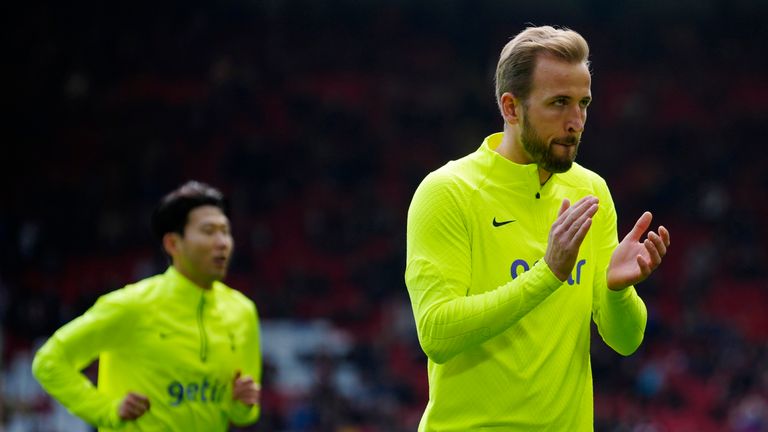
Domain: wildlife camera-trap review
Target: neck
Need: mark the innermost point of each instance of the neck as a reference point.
(198, 281)
(511, 148)
(544, 176)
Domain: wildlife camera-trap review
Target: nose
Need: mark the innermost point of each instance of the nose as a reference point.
(222, 240)
(576, 120)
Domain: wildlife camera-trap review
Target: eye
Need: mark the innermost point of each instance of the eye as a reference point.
(585, 102)
(560, 102)
(211, 229)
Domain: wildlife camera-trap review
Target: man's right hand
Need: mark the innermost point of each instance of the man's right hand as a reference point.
(133, 406)
(567, 234)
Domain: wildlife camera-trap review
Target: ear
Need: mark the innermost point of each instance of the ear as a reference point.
(510, 108)
(171, 243)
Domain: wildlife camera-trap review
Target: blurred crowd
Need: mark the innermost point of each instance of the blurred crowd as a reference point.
(319, 119)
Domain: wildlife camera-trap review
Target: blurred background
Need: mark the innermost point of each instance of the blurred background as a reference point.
(319, 119)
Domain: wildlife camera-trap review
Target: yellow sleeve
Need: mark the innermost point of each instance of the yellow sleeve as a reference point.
(620, 316)
(438, 277)
(239, 413)
(59, 362)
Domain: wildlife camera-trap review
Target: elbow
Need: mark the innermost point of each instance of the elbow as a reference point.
(433, 346)
(44, 363)
(39, 368)
(628, 347)
(435, 354)
(439, 336)
(625, 351)
(36, 368)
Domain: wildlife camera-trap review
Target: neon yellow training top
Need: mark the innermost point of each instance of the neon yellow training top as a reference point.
(507, 342)
(163, 337)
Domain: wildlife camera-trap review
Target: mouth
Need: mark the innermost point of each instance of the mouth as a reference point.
(564, 148)
(568, 141)
(220, 261)
(565, 143)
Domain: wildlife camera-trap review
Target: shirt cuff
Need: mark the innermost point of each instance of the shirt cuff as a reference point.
(243, 414)
(545, 276)
(620, 295)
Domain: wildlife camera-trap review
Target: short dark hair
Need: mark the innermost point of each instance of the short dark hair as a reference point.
(173, 210)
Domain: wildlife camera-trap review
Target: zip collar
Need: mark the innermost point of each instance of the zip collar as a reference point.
(186, 291)
(506, 172)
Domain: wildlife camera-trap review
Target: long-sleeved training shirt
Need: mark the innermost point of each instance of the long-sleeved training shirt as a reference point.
(163, 337)
(507, 342)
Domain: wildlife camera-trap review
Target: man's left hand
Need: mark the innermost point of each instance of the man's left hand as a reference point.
(245, 390)
(633, 261)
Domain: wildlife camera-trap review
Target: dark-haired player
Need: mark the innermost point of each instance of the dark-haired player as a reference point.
(178, 351)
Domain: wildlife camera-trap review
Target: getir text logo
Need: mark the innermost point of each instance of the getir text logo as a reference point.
(193, 392)
(518, 264)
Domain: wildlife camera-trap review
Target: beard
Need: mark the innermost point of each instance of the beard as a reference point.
(541, 151)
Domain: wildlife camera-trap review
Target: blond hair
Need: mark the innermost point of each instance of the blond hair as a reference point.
(514, 72)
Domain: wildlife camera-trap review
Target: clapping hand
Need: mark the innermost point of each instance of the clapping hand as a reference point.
(632, 260)
(567, 233)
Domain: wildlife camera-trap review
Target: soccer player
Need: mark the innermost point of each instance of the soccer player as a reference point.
(178, 351)
(511, 250)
